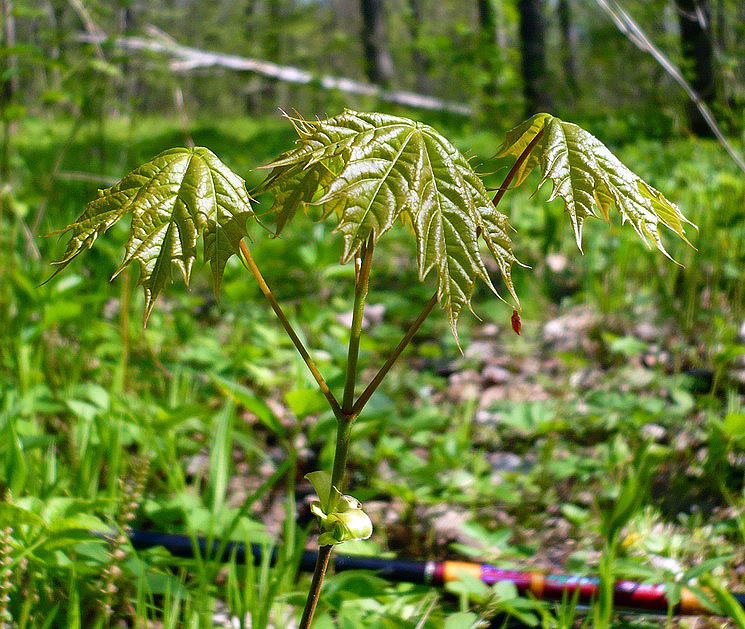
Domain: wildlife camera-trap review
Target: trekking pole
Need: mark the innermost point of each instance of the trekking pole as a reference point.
(630, 595)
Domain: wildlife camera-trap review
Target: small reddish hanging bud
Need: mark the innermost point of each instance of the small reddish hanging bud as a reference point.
(517, 323)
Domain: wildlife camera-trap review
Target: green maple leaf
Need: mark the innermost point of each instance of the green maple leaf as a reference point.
(588, 177)
(295, 185)
(372, 170)
(173, 199)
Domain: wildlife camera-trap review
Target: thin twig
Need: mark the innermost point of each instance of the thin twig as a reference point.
(72, 175)
(515, 167)
(290, 330)
(95, 34)
(49, 186)
(375, 383)
(178, 100)
(322, 562)
(629, 27)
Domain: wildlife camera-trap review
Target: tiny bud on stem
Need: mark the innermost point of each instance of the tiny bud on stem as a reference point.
(517, 324)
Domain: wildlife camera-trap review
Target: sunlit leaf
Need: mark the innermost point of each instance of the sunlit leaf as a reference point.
(588, 178)
(374, 170)
(15, 516)
(173, 199)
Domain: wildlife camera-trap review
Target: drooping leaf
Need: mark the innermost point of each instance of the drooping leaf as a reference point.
(374, 170)
(588, 177)
(321, 482)
(173, 199)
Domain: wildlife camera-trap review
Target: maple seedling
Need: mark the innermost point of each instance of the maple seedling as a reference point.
(366, 172)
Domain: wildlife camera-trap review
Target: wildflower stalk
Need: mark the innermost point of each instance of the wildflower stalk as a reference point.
(5, 576)
(132, 491)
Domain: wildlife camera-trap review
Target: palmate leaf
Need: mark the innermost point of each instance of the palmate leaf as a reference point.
(296, 186)
(586, 176)
(373, 170)
(173, 199)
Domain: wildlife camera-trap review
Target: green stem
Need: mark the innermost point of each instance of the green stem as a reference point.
(322, 562)
(358, 312)
(375, 383)
(290, 330)
(344, 430)
(604, 605)
(501, 191)
(343, 435)
(344, 421)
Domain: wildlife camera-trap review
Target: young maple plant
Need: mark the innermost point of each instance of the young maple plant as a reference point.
(366, 172)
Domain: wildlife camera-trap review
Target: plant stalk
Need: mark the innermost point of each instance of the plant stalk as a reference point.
(290, 330)
(343, 437)
(604, 610)
(375, 383)
(344, 421)
(358, 312)
(351, 409)
(322, 562)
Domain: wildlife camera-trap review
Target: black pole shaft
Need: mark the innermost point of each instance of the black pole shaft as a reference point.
(391, 569)
(183, 546)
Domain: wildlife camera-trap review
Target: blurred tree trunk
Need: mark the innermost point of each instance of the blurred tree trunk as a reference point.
(721, 26)
(489, 54)
(698, 51)
(422, 61)
(253, 86)
(533, 50)
(130, 86)
(272, 50)
(9, 86)
(56, 14)
(567, 44)
(10, 80)
(377, 57)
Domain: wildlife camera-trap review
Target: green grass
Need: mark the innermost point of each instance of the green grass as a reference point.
(212, 394)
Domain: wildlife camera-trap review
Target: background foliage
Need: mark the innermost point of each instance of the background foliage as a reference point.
(206, 421)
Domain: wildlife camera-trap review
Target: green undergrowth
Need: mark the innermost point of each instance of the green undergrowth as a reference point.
(528, 448)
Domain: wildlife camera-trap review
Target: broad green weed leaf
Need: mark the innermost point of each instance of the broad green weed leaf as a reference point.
(373, 170)
(734, 426)
(588, 177)
(14, 516)
(461, 620)
(173, 199)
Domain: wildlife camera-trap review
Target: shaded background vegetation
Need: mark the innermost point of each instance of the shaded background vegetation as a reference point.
(511, 452)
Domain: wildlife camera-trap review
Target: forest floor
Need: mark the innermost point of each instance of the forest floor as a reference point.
(511, 452)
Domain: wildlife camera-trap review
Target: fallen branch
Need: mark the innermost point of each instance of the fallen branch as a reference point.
(629, 27)
(186, 59)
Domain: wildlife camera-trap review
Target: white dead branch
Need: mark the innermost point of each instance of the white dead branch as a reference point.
(629, 27)
(185, 59)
